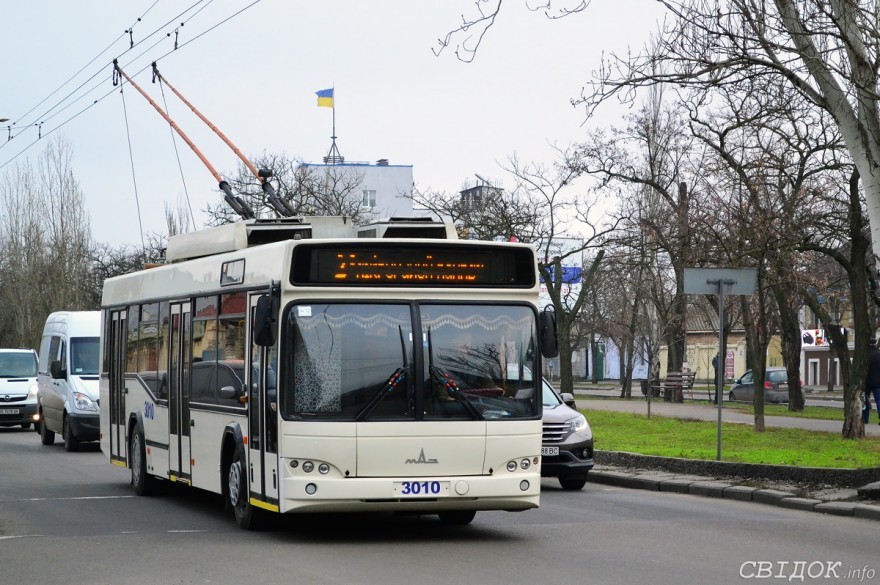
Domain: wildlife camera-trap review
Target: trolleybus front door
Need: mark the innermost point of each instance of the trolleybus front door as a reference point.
(179, 455)
(116, 344)
(262, 420)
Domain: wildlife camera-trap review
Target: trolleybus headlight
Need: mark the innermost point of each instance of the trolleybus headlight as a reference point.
(323, 469)
(525, 463)
(311, 488)
(294, 463)
(524, 485)
(511, 466)
(308, 466)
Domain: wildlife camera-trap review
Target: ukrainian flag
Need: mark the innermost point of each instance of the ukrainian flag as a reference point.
(325, 98)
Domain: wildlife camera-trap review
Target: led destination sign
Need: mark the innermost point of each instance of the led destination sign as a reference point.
(412, 265)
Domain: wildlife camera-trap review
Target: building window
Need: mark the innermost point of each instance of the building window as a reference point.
(369, 198)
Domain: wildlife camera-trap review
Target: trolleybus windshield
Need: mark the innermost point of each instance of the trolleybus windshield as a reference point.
(362, 362)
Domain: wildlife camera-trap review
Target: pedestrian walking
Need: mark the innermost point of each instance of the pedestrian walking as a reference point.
(872, 383)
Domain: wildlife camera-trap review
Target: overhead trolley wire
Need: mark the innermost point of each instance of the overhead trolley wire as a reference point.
(104, 96)
(133, 177)
(96, 57)
(192, 216)
(42, 118)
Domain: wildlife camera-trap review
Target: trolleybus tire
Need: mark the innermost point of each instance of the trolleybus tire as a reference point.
(143, 483)
(457, 517)
(47, 437)
(70, 442)
(246, 516)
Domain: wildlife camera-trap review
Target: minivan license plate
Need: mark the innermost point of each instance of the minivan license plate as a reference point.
(549, 451)
(8, 411)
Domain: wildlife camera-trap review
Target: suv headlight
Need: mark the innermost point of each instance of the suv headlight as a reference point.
(579, 424)
(83, 402)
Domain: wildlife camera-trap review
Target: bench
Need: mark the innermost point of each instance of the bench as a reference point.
(674, 385)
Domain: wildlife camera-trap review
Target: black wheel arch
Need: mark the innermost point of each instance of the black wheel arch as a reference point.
(232, 438)
(135, 420)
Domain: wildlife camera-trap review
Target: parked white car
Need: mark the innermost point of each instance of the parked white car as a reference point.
(18, 387)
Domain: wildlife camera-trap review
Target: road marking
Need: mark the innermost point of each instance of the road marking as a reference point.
(64, 499)
(19, 536)
(185, 531)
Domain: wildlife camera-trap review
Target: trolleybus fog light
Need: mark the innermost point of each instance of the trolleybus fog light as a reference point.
(323, 469)
(523, 485)
(294, 463)
(525, 463)
(511, 466)
(311, 488)
(308, 466)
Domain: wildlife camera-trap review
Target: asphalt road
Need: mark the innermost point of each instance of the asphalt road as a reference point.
(70, 518)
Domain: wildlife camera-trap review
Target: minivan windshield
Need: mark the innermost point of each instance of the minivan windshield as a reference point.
(18, 365)
(84, 356)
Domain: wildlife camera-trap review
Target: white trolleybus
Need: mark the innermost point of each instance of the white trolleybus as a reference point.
(309, 365)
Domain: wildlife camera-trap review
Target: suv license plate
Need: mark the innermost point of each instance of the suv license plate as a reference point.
(549, 451)
(8, 411)
(421, 489)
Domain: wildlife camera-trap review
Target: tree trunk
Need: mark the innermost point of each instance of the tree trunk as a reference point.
(791, 346)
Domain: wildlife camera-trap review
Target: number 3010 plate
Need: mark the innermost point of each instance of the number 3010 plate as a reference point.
(421, 489)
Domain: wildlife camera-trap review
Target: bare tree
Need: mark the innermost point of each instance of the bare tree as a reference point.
(307, 189)
(44, 230)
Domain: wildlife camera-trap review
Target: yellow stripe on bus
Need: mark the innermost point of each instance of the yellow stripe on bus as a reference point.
(264, 505)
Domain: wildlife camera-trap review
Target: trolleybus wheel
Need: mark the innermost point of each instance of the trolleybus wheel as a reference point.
(246, 516)
(143, 483)
(457, 517)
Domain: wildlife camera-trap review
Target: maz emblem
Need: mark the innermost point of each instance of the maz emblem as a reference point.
(421, 459)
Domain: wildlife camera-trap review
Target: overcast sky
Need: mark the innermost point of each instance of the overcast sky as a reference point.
(255, 77)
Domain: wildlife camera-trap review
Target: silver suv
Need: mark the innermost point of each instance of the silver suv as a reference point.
(567, 446)
(18, 387)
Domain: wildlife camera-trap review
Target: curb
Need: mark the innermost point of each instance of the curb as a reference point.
(701, 467)
(719, 489)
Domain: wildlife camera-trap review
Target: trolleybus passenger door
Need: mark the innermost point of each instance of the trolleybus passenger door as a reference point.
(116, 346)
(262, 418)
(179, 423)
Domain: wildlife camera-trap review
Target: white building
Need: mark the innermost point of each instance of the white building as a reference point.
(385, 189)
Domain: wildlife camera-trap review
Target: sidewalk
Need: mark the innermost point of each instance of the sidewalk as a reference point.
(825, 500)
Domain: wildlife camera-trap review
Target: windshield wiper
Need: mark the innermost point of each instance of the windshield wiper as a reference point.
(448, 384)
(398, 376)
(445, 381)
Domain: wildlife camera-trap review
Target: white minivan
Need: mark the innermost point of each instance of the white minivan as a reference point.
(67, 395)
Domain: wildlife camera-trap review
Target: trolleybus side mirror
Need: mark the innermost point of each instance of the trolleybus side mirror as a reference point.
(547, 331)
(266, 321)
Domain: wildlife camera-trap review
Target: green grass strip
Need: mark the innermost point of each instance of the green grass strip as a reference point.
(670, 437)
